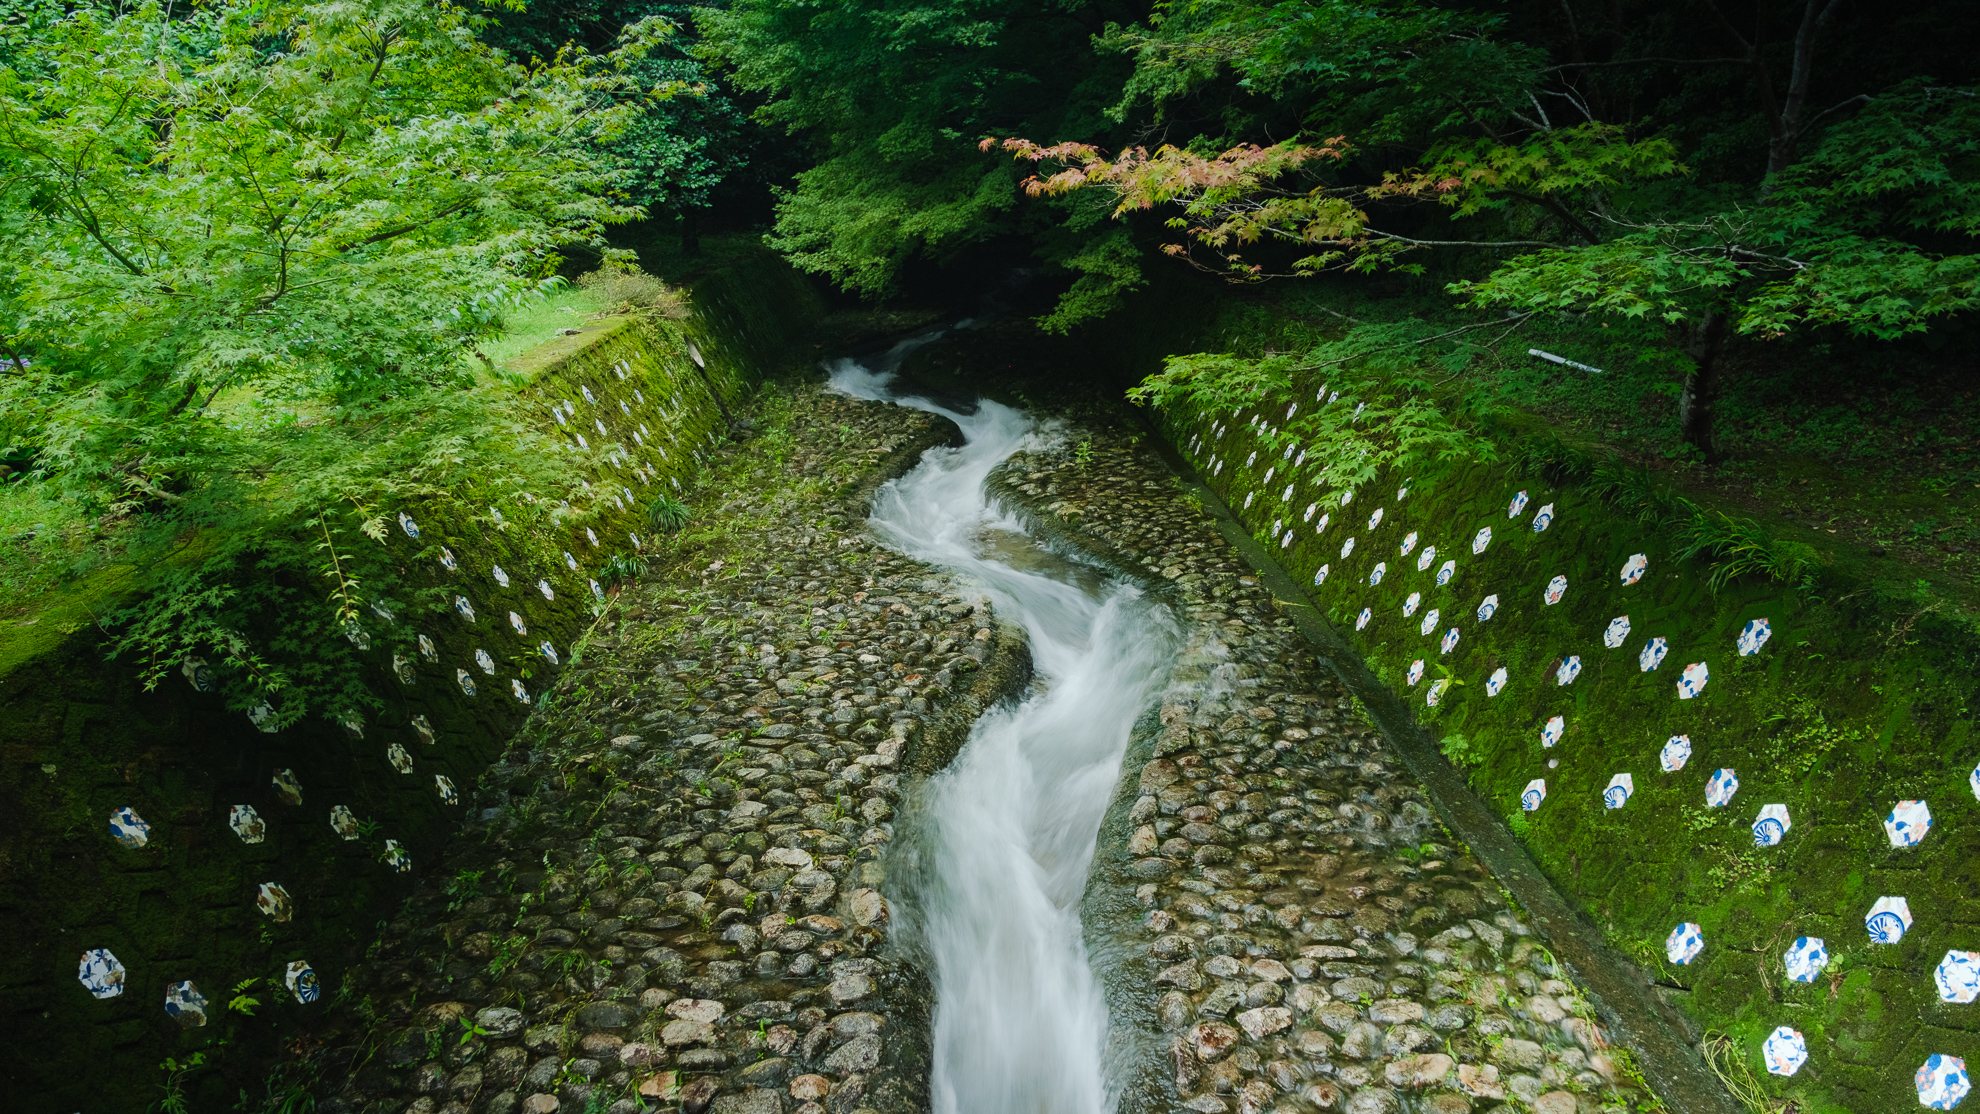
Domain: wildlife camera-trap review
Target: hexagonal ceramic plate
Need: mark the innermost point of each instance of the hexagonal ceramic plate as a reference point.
(1806, 959)
(1771, 826)
(1785, 1051)
(1908, 823)
(1676, 752)
(1942, 1082)
(1684, 943)
(1720, 789)
(1618, 792)
(128, 828)
(1888, 920)
(101, 974)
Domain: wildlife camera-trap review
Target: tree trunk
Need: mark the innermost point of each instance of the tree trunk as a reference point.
(1701, 387)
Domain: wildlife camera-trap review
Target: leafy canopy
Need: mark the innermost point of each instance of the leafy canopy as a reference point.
(245, 257)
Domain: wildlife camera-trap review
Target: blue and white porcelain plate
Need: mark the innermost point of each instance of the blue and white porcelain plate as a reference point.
(1942, 1082)
(1684, 943)
(1692, 681)
(1617, 632)
(1753, 636)
(1785, 1051)
(1806, 959)
(1720, 789)
(1888, 920)
(1676, 752)
(1908, 823)
(1619, 790)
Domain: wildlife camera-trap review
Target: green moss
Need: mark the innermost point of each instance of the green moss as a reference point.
(81, 738)
(1862, 697)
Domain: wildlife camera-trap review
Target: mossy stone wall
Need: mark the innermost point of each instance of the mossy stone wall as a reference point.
(1863, 696)
(79, 738)
(1852, 705)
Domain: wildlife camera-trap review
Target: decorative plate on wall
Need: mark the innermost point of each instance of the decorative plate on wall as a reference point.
(185, 1004)
(1617, 632)
(101, 974)
(1720, 789)
(344, 823)
(1784, 1051)
(247, 823)
(1692, 681)
(1806, 959)
(274, 902)
(303, 982)
(1652, 655)
(127, 828)
(1754, 636)
(1888, 920)
(1771, 826)
(1684, 943)
(1676, 752)
(1620, 788)
(1634, 568)
(1908, 823)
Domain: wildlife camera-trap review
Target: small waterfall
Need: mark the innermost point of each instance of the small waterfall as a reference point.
(1007, 832)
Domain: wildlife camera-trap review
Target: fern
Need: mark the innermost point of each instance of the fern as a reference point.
(668, 514)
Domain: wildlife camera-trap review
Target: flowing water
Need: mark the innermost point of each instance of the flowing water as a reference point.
(1007, 832)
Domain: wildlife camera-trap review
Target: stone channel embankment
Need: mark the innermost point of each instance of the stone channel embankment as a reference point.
(1283, 923)
(670, 898)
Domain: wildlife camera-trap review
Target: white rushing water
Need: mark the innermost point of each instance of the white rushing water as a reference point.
(1009, 829)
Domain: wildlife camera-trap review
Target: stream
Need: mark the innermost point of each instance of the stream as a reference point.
(1006, 834)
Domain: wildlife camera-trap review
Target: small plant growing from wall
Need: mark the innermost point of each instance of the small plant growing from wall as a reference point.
(621, 567)
(668, 514)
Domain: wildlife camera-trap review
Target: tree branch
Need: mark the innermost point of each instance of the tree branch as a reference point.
(1648, 62)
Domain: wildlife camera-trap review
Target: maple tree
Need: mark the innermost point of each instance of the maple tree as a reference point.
(1862, 234)
(248, 253)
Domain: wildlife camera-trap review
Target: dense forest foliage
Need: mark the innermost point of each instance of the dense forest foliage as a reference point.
(254, 249)
(1697, 175)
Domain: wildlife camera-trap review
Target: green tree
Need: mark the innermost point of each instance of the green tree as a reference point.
(245, 256)
(1872, 233)
(894, 94)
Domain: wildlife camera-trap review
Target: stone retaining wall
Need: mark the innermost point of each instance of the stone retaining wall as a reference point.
(81, 739)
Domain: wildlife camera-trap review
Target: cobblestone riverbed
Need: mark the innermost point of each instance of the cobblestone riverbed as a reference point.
(677, 895)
